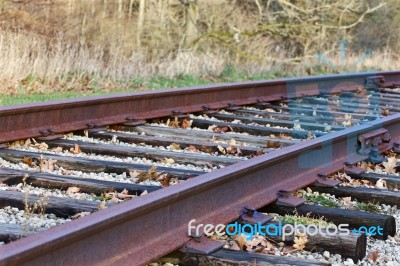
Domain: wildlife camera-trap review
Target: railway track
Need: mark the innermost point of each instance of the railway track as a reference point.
(122, 176)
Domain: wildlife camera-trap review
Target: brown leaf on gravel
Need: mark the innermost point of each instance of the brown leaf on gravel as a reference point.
(165, 182)
(41, 146)
(273, 144)
(346, 199)
(79, 215)
(72, 190)
(220, 129)
(206, 149)
(133, 174)
(233, 150)
(28, 161)
(221, 149)
(381, 184)
(76, 149)
(385, 111)
(47, 164)
(114, 199)
(174, 123)
(300, 241)
(235, 246)
(259, 249)
(191, 148)
(175, 147)
(390, 165)
(186, 123)
(102, 206)
(65, 171)
(284, 136)
(57, 149)
(150, 175)
(27, 142)
(168, 161)
(241, 242)
(373, 256)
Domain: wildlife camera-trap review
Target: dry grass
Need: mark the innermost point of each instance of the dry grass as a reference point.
(91, 46)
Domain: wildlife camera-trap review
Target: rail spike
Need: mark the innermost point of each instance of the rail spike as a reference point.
(370, 143)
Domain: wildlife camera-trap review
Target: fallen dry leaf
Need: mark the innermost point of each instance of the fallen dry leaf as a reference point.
(57, 149)
(65, 171)
(175, 147)
(165, 182)
(346, 199)
(220, 129)
(235, 246)
(114, 199)
(144, 193)
(232, 142)
(76, 149)
(300, 241)
(150, 175)
(241, 242)
(79, 215)
(27, 143)
(191, 148)
(381, 184)
(28, 161)
(72, 190)
(390, 165)
(133, 174)
(47, 164)
(233, 150)
(273, 144)
(86, 133)
(283, 136)
(102, 206)
(221, 149)
(174, 123)
(41, 146)
(206, 149)
(373, 256)
(168, 161)
(385, 111)
(186, 123)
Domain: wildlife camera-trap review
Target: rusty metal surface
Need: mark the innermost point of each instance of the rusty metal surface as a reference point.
(140, 230)
(43, 119)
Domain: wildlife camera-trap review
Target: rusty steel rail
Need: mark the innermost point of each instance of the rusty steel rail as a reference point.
(35, 120)
(137, 231)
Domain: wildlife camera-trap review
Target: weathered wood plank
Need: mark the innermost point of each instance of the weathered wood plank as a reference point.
(352, 246)
(363, 194)
(178, 133)
(205, 146)
(238, 258)
(87, 185)
(61, 207)
(276, 122)
(125, 151)
(96, 166)
(355, 219)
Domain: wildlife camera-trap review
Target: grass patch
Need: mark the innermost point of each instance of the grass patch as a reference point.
(368, 207)
(42, 97)
(305, 220)
(322, 200)
(23, 94)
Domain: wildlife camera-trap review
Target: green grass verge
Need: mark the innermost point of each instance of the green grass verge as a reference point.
(139, 84)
